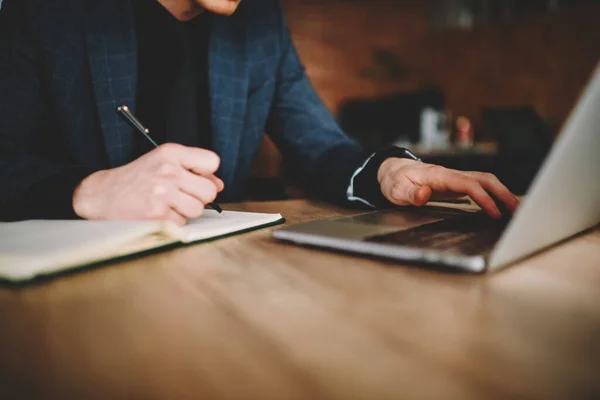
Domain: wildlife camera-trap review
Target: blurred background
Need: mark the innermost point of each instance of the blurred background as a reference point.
(469, 84)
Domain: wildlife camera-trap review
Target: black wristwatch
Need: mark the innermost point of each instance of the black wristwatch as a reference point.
(366, 181)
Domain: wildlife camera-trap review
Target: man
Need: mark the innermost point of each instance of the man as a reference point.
(201, 74)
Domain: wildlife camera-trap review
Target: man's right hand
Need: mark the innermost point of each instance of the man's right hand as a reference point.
(172, 182)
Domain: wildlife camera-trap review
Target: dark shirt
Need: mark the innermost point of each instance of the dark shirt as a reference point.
(172, 92)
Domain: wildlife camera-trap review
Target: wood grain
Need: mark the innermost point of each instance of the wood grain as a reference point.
(247, 317)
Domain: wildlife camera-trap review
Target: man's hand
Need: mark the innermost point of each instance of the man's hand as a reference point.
(407, 182)
(172, 182)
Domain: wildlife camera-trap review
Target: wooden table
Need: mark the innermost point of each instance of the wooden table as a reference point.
(250, 318)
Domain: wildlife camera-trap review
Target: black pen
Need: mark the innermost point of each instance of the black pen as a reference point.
(126, 114)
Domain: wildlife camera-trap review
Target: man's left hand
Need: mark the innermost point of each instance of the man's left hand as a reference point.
(407, 182)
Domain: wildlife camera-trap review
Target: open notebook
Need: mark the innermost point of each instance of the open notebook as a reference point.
(33, 248)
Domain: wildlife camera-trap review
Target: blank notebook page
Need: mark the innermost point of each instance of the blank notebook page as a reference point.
(213, 224)
(38, 245)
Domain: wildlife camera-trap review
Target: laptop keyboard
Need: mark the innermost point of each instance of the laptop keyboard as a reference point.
(473, 234)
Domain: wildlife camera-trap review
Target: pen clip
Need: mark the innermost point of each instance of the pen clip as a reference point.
(135, 123)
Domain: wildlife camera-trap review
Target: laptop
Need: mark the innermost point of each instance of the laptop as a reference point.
(563, 200)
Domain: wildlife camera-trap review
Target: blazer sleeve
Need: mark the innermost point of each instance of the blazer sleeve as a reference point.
(313, 145)
(33, 183)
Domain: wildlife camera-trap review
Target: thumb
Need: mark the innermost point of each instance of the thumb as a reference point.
(419, 195)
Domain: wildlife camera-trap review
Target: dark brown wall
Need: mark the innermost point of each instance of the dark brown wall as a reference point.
(542, 60)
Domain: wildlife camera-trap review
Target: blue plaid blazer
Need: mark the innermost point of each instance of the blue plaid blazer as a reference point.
(65, 65)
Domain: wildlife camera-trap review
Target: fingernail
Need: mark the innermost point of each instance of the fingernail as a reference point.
(515, 205)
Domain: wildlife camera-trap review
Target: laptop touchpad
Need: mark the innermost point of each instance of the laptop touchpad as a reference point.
(363, 226)
(403, 218)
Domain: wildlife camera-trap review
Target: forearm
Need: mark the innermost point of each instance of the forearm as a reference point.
(331, 173)
(38, 189)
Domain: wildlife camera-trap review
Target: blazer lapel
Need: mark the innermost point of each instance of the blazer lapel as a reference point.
(228, 88)
(112, 51)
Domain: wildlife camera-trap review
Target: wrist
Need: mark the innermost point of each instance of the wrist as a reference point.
(367, 182)
(84, 197)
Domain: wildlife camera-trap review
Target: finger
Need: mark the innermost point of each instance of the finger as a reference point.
(447, 196)
(444, 180)
(200, 161)
(481, 197)
(493, 185)
(159, 210)
(218, 183)
(199, 187)
(419, 195)
(186, 205)
(174, 216)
